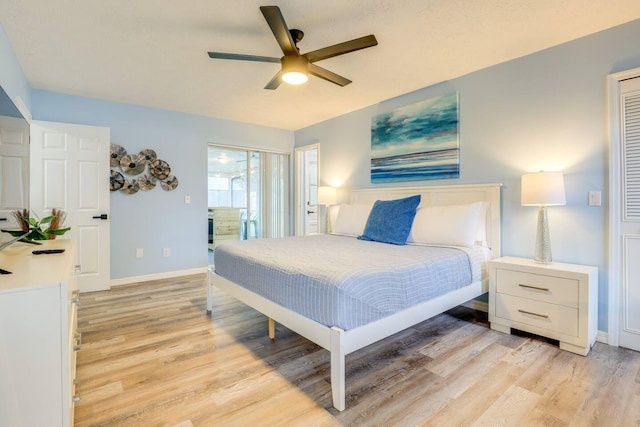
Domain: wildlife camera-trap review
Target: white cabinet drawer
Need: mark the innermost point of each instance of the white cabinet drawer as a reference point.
(539, 314)
(539, 287)
(226, 237)
(557, 300)
(225, 216)
(227, 229)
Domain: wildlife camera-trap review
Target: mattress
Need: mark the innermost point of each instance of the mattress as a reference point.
(345, 282)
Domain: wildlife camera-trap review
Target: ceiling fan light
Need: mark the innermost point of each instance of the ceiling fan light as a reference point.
(295, 69)
(295, 77)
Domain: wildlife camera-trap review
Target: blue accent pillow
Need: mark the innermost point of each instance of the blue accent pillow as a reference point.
(390, 220)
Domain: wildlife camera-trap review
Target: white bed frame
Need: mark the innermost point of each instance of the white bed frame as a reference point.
(340, 342)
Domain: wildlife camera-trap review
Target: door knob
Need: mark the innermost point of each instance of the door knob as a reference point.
(101, 216)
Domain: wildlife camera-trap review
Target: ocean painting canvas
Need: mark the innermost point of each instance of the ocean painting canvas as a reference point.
(416, 142)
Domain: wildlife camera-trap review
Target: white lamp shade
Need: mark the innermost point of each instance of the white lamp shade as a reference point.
(543, 189)
(327, 195)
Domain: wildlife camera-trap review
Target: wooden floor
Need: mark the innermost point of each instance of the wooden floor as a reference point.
(151, 356)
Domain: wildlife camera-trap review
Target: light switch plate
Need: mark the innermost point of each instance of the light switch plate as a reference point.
(595, 198)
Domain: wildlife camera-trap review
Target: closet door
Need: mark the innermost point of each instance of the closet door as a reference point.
(629, 335)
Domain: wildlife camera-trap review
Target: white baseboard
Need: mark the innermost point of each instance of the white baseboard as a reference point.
(603, 337)
(159, 276)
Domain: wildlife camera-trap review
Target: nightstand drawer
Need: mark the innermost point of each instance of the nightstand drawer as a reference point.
(540, 314)
(540, 287)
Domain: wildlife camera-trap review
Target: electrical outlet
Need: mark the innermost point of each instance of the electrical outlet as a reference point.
(139, 253)
(166, 252)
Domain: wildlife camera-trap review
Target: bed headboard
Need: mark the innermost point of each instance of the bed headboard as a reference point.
(442, 196)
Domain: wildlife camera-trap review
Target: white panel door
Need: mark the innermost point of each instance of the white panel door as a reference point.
(629, 335)
(70, 171)
(307, 190)
(311, 192)
(14, 170)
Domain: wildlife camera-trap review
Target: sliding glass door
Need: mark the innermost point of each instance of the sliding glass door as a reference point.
(248, 194)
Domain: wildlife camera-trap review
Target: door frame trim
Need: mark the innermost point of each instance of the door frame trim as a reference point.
(615, 240)
(298, 184)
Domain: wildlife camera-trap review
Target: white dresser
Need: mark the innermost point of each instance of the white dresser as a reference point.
(38, 336)
(558, 301)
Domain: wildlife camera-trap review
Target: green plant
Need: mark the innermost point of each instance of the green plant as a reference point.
(46, 228)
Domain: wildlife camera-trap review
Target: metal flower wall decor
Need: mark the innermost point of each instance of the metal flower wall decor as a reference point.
(134, 165)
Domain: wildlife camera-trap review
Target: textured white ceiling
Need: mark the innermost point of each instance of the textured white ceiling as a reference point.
(154, 52)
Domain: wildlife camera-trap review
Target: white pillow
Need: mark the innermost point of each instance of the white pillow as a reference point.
(456, 225)
(351, 219)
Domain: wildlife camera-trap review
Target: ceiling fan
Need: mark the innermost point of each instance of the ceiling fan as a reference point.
(295, 66)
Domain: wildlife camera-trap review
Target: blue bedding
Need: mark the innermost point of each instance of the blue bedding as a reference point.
(345, 282)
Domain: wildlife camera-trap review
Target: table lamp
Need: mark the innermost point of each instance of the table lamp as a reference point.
(543, 189)
(327, 196)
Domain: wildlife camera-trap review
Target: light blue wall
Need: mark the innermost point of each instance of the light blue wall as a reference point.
(157, 219)
(12, 78)
(545, 111)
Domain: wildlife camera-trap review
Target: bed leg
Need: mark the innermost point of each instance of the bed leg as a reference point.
(209, 291)
(272, 329)
(338, 360)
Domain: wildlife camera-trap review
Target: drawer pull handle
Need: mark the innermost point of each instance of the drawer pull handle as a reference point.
(78, 338)
(537, 288)
(544, 316)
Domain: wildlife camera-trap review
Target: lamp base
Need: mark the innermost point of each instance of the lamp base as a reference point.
(543, 240)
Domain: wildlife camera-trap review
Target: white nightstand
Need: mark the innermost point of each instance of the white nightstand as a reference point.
(558, 301)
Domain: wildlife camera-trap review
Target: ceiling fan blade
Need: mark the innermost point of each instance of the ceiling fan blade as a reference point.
(275, 81)
(332, 77)
(221, 55)
(342, 48)
(280, 30)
